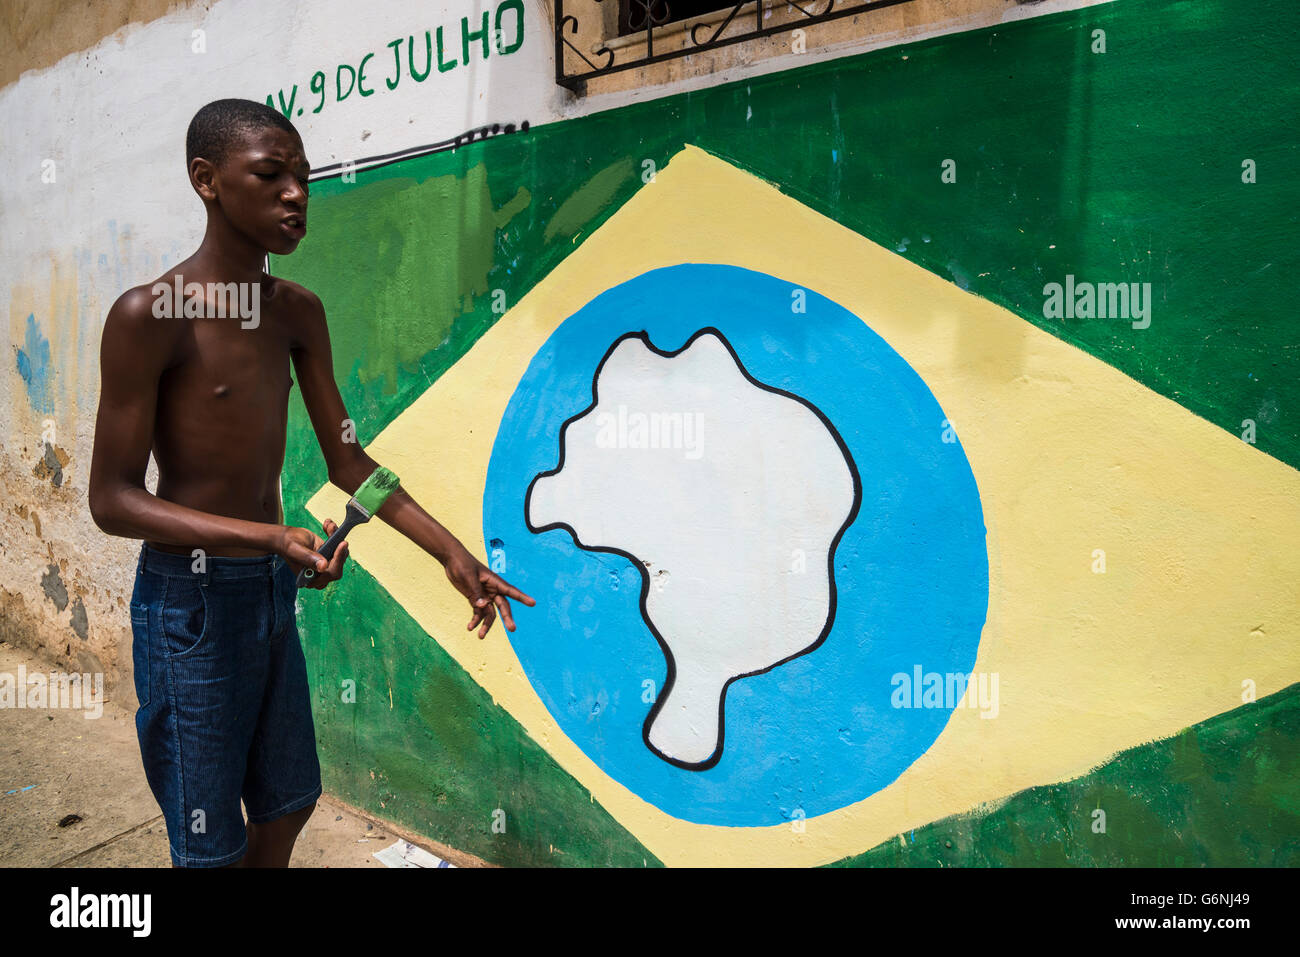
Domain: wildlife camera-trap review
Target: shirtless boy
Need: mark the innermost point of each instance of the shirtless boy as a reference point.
(219, 669)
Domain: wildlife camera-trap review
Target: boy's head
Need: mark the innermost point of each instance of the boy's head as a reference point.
(222, 126)
(247, 164)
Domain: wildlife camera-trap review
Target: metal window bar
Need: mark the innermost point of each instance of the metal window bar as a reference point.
(698, 43)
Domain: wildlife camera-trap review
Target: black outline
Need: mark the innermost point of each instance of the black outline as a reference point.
(644, 336)
(414, 152)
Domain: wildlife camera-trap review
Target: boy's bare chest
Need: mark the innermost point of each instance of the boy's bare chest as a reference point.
(224, 373)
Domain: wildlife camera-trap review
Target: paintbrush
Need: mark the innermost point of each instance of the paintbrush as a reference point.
(368, 499)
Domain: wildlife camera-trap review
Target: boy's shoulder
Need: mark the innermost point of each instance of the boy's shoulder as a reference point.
(302, 307)
(146, 301)
(137, 303)
(133, 318)
(296, 294)
(135, 339)
(140, 303)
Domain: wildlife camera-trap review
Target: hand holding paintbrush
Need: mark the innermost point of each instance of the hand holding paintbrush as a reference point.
(368, 499)
(488, 593)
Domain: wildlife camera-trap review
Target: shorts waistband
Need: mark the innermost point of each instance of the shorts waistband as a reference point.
(217, 567)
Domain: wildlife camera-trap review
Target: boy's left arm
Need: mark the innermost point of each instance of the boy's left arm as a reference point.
(348, 466)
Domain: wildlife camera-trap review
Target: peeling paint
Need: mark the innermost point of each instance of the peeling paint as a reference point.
(55, 590)
(79, 622)
(51, 467)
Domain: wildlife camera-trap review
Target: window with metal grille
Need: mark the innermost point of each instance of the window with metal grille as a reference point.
(633, 14)
(632, 43)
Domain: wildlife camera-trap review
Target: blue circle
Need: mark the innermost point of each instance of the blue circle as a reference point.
(823, 730)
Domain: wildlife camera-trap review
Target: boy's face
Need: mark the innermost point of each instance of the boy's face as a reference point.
(261, 187)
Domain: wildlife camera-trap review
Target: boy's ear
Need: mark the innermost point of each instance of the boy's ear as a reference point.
(203, 177)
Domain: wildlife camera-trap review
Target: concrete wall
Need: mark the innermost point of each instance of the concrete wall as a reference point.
(1043, 499)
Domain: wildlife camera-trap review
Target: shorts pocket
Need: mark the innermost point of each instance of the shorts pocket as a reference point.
(140, 662)
(286, 596)
(184, 616)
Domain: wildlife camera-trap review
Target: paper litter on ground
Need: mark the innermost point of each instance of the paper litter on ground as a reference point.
(406, 854)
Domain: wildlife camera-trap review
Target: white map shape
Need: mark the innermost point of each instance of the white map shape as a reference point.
(733, 526)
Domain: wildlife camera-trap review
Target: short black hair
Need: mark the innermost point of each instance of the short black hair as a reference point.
(217, 127)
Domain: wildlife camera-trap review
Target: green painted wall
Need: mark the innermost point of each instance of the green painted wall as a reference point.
(1116, 166)
(441, 758)
(1223, 793)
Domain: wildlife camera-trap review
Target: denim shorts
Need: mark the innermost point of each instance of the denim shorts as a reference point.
(225, 712)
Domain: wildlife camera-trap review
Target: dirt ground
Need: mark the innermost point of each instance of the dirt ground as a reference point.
(73, 794)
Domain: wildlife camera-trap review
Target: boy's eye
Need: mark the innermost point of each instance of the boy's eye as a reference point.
(265, 175)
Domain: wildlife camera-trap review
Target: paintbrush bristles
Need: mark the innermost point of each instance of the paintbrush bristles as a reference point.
(375, 490)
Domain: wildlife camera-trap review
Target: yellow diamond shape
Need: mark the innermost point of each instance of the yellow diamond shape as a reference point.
(1070, 455)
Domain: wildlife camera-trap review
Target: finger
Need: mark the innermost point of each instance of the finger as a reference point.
(323, 576)
(335, 570)
(316, 543)
(489, 616)
(478, 616)
(505, 588)
(503, 605)
(330, 574)
(307, 557)
(329, 527)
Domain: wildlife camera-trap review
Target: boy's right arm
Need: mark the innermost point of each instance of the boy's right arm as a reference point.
(134, 352)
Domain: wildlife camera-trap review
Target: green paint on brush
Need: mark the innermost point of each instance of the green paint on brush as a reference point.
(368, 500)
(375, 490)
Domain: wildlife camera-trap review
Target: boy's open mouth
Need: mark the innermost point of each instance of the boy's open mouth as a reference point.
(294, 225)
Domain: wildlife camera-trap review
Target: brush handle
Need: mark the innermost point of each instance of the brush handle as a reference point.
(355, 516)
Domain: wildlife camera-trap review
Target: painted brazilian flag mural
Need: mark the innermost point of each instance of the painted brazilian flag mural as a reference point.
(901, 449)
